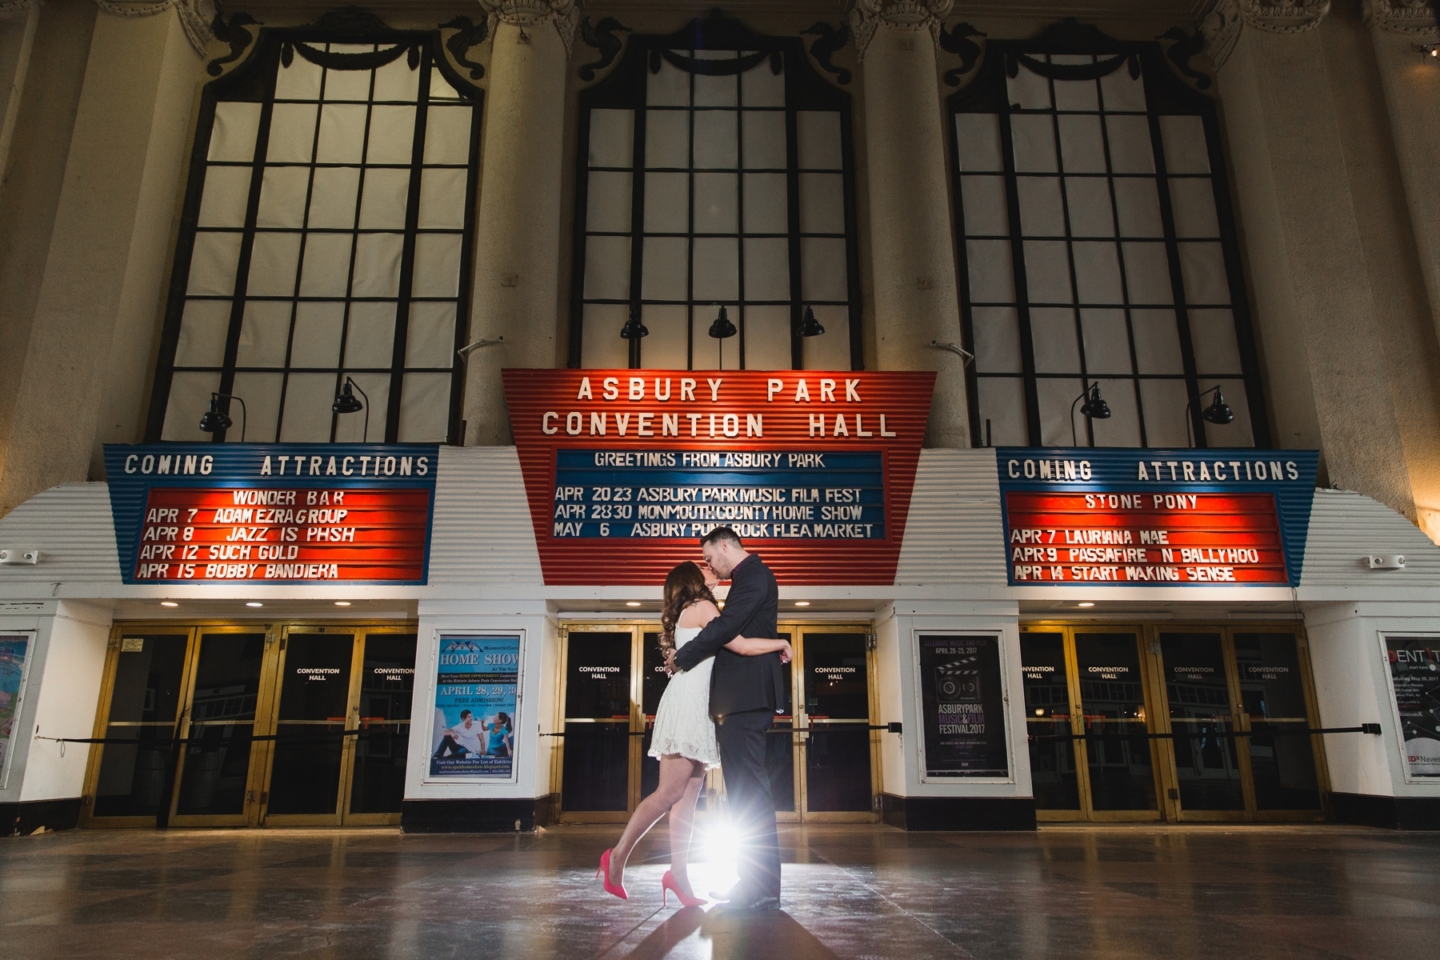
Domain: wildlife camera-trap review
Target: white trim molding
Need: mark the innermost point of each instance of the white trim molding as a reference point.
(917, 15)
(195, 16)
(1410, 17)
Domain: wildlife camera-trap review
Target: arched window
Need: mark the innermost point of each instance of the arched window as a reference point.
(327, 233)
(715, 168)
(1098, 247)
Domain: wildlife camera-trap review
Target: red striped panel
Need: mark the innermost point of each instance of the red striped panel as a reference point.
(197, 534)
(903, 398)
(1185, 539)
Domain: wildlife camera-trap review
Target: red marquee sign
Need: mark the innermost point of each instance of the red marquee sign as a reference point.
(626, 469)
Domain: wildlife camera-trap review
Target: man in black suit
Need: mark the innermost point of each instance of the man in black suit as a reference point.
(745, 695)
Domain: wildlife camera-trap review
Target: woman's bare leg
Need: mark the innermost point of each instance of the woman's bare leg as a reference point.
(675, 773)
(682, 826)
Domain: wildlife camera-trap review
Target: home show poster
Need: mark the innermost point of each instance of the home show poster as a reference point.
(1415, 675)
(14, 648)
(964, 706)
(477, 680)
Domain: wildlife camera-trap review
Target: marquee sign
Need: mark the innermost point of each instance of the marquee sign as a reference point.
(626, 469)
(1155, 517)
(272, 513)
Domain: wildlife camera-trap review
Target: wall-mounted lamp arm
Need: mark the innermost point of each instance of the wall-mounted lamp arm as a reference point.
(464, 351)
(965, 355)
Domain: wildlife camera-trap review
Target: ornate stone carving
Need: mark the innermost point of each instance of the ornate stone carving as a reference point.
(564, 14)
(917, 15)
(1411, 17)
(195, 15)
(17, 9)
(1284, 16)
(1223, 22)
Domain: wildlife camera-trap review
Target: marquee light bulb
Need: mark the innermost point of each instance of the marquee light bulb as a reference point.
(802, 603)
(632, 603)
(168, 603)
(342, 603)
(254, 603)
(1085, 603)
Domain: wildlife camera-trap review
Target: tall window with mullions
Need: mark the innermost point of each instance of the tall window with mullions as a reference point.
(1098, 248)
(327, 233)
(715, 168)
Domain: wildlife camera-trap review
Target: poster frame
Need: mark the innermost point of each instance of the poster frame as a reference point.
(29, 636)
(1394, 703)
(432, 691)
(918, 701)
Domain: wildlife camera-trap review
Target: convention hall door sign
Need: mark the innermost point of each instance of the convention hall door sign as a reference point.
(272, 513)
(626, 469)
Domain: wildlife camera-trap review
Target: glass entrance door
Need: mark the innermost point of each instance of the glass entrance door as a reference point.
(1235, 697)
(833, 715)
(1174, 722)
(599, 757)
(295, 724)
(1086, 710)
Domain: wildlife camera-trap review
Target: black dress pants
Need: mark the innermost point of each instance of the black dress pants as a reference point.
(752, 810)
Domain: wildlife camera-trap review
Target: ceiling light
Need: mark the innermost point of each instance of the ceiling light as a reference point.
(1086, 603)
(632, 603)
(342, 603)
(168, 603)
(254, 603)
(802, 603)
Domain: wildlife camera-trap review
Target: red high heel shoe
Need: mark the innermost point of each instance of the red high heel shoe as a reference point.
(667, 883)
(614, 889)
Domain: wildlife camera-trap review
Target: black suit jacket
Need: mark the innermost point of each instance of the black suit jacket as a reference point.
(741, 683)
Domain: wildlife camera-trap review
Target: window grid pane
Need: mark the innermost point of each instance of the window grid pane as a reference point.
(354, 251)
(720, 213)
(1080, 188)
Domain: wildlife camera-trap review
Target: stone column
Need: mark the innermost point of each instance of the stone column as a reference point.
(912, 245)
(517, 249)
(90, 348)
(19, 20)
(1350, 352)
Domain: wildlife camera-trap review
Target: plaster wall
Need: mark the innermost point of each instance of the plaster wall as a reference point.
(30, 190)
(535, 710)
(897, 627)
(1317, 306)
(517, 248)
(1352, 687)
(96, 314)
(61, 694)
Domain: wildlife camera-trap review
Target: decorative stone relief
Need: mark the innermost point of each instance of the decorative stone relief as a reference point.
(17, 9)
(564, 14)
(1223, 22)
(1411, 17)
(917, 15)
(195, 15)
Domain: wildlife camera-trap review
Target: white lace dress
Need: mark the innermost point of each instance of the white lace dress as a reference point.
(682, 721)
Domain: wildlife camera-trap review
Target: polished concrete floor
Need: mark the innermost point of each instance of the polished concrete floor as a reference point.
(850, 891)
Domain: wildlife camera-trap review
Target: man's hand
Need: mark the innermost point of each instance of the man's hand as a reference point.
(670, 667)
(787, 654)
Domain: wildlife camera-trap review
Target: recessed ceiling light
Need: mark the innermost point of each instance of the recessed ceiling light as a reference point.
(1086, 603)
(168, 603)
(632, 603)
(342, 603)
(254, 603)
(802, 603)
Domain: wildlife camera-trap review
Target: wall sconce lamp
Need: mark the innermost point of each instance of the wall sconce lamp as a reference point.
(1095, 408)
(1218, 413)
(345, 402)
(722, 329)
(216, 419)
(1429, 52)
(966, 357)
(465, 351)
(634, 329)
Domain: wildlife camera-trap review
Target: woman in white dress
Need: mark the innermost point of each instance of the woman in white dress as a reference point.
(683, 738)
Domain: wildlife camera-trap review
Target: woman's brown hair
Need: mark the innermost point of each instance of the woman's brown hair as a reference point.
(683, 586)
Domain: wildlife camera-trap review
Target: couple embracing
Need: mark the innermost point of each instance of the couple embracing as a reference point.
(727, 685)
